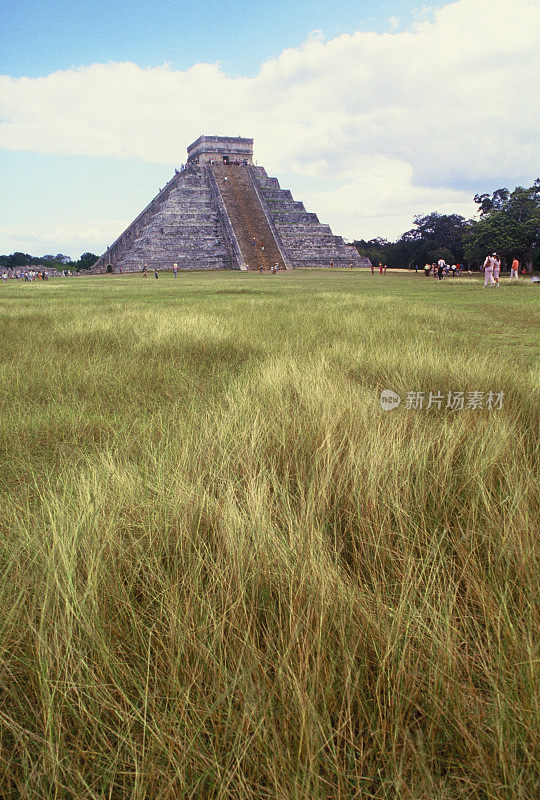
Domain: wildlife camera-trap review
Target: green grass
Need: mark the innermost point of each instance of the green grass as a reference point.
(225, 572)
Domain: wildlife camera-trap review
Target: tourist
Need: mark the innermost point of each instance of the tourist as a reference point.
(514, 270)
(497, 270)
(488, 266)
(175, 269)
(441, 266)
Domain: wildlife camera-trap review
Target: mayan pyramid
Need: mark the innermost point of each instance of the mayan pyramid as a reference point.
(221, 212)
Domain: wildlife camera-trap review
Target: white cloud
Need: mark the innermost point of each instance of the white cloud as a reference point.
(382, 199)
(386, 125)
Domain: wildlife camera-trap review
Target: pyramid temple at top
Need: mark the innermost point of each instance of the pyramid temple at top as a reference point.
(220, 211)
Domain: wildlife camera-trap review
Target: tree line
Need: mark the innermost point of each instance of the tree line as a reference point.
(508, 223)
(59, 261)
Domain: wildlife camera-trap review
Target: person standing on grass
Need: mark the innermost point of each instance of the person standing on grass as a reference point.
(514, 271)
(441, 264)
(372, 270)
(144, 272)
(497, 270)
(156, 276)
(175, 270)
(385, 268)
(380, 267)
(488, 266)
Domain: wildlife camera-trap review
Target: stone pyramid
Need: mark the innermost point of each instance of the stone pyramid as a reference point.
(221, 212)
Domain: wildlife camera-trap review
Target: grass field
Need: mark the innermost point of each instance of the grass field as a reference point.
(226, 572)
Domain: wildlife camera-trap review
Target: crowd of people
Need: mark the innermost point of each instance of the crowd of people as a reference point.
(492, 270)
(440, 269)
(27, 274)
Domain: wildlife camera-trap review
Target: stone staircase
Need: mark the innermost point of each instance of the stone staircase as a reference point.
(226, 216)
(255, 238)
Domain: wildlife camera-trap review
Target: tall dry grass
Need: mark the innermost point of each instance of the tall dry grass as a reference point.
(227, 573)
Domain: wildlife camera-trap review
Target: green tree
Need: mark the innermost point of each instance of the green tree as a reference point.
(86, 261)
(433, 236)
(509, 223)
(441, 232)
(19, 259)
(374, 249)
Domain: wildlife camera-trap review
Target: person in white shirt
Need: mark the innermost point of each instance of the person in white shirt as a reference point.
(488, 267)
(441, 264)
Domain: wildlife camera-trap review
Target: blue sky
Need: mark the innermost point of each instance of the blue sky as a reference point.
(370, 112)
(49, 35)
